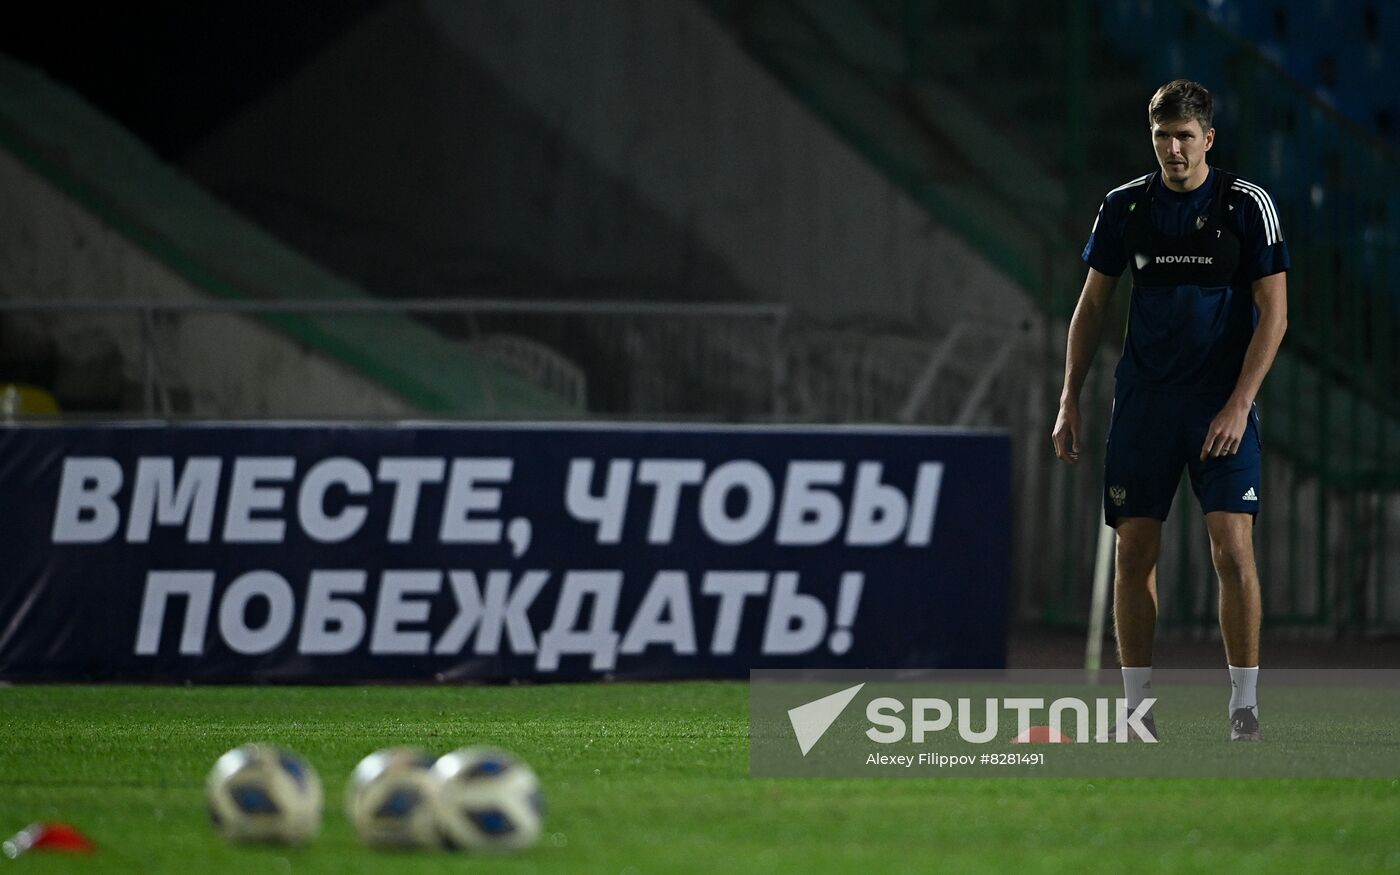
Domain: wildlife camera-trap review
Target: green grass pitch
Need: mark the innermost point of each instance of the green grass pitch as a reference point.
(640, 778)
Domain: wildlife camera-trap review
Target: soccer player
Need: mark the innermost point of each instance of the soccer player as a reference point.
(1207, 314)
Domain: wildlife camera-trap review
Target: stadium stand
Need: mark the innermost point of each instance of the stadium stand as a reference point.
(1344, 52)
(117, 179)
(647, 197)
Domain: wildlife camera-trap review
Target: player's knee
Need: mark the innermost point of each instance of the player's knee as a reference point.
(1134, 559)
(1234, 563)
(1134, 568)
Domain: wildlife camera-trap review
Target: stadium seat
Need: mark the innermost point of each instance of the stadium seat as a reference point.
(1358, 39)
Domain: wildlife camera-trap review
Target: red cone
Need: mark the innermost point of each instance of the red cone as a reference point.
(49, 837)
(1042, 735)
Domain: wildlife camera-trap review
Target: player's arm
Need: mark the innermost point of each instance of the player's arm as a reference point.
(1085, 331)
(1227, 429)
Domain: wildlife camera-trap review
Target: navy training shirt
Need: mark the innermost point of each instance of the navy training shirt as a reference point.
(1190, 338)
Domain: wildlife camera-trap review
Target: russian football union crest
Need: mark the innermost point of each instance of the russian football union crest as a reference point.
(1118, 494)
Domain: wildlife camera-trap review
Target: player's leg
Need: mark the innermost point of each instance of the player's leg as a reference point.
(1232, 552)
(1229, 489)
(1135, 608)
(1135, 589)
(1142, 466)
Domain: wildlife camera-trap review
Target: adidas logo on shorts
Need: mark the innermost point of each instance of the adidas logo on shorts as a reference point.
(1249, 495)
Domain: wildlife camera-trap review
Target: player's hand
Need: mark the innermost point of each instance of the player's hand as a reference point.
(1066, 433)
(1226, 431)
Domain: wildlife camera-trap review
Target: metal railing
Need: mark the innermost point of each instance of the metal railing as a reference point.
(745, 340)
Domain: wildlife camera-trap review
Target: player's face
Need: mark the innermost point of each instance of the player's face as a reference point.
(1181, 151)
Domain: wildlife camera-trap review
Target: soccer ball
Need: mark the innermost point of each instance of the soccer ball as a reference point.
(262, 793)
(487, 799)
(389, 799)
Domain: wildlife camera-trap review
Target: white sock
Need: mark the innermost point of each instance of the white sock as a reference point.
(1243, 689)
(1137, 685)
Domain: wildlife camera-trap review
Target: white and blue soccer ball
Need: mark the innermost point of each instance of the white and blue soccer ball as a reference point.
(389, 799)
(487, 800)
(261, 793)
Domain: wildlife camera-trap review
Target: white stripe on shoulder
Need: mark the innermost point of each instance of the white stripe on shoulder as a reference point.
(1263, 198)
(1272, 232)
(1268, 201)
(1136, 182)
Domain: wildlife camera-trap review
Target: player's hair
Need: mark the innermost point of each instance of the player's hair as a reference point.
(1181, 99)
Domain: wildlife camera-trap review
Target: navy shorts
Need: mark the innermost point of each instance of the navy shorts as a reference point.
(1152, 435)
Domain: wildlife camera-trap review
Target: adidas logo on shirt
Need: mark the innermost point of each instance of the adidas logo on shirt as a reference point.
(1249, 495)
